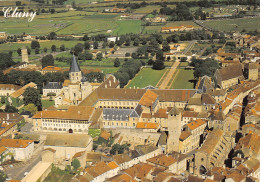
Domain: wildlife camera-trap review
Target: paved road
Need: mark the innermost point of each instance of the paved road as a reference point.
(17, 173)
(26, 128)
(189, 47)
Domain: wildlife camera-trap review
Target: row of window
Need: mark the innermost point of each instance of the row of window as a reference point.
(61, 125)
(65, 121)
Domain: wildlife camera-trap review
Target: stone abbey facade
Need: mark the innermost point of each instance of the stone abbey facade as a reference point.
(75, 89)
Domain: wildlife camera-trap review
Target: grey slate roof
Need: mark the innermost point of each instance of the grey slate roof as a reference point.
(74, 67)
(53, 85)
(116, 114)
(136, 113)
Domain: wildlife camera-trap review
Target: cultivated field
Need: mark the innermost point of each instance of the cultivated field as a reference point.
(148, 9)
(46, 44)
(249, 24)
(147, 76)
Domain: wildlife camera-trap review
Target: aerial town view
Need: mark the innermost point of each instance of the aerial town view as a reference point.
(130, 90)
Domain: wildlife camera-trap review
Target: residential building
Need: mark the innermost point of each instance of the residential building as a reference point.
(229, 76)
(8, 89)
(75, 120)
(21, 149)
(52, 89)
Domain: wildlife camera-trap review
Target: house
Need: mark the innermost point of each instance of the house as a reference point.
(50, 69)
(177, 28)
(52, 88)
(190, 137)
(249, 144)
(4, 154)
(75, 120)
(251, 71)
(166, 161)
(8, 89)
(113, 39)
(66, 147)
(9, 123)
(19, 93)
(229, 76)
(175, 48)
(3, 36)
(21, 149)
(20, 65)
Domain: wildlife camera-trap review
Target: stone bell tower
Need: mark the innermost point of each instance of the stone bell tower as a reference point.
(174, 129)
(75, 72)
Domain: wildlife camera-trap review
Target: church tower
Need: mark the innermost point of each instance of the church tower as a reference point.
(75, 72)
(174, 129)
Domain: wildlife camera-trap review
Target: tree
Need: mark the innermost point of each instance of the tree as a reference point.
(150, 62)
(28, 50)
(10, 53)
(6, 61)
(104, 45)
(31, 108)
(53, 48)
(52, 11)
(119, 149)
(12, 158)
(10, 109)
(47, 60)
(19, 51)
(99, 56)
(158, 65)
(136, 42)
(3, 176)
(78, 48)
(87, 45)
(116, 62)
(159, 54)
(62, 47)
(35, 44)
(95, 77)
(2, 100)
(32, 96)
(111, 44)
(85, 38)
(17, 3)
(45, 49)
(37, 50)
(165, 46)
(75, 163)
(52, 36)
(95, 45)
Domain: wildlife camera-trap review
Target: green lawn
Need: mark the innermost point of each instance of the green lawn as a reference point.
(128, 26)
(249, 24)
(181, 81)
(47, 103)
(183, 64)
(147, 76)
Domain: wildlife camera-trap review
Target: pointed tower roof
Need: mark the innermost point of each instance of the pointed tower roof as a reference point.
(174, 111)
(74, 67)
